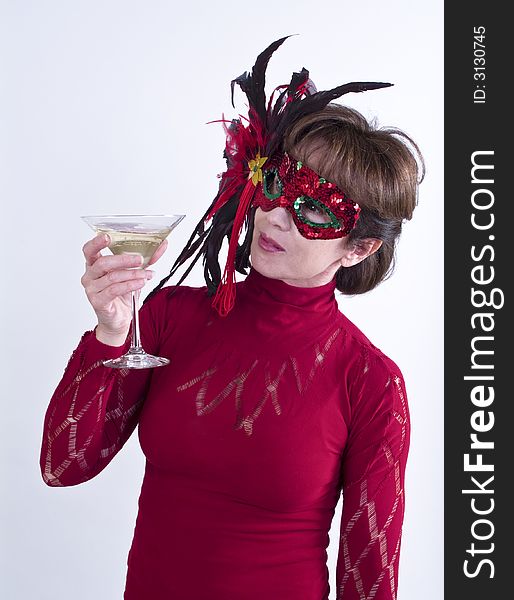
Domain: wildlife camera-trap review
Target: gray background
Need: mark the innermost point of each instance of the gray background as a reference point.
(104, 109)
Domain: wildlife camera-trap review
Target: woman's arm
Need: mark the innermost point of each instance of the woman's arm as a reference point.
(95, 409)
(373, 485)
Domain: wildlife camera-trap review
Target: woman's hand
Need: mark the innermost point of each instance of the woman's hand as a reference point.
(108, 282)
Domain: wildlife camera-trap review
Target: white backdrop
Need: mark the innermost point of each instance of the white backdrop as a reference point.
(103, 109)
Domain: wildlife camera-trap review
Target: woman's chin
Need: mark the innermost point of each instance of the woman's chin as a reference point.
(266, 267)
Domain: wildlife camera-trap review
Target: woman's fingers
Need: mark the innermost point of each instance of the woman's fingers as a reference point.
(161, 249)
(111, 276)
(91, 248)
(98, 265)
(112, 262)
(102, 299)
(94, 286)
(109, 280)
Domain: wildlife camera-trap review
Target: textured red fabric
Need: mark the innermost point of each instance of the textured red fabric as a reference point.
(251, 434)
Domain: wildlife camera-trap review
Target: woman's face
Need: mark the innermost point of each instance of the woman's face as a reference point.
(279, 251)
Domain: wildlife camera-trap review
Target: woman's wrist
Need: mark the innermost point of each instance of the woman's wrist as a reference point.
(109, 338)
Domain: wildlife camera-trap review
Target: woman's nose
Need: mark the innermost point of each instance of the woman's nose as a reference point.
(279, 217)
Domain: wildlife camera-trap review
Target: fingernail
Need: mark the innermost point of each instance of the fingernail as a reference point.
(107, 239)
(149, 274)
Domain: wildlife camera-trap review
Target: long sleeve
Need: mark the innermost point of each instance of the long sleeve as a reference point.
(94, 409)
(373, 485)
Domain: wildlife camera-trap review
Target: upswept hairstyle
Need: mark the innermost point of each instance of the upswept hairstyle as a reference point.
(379, 168)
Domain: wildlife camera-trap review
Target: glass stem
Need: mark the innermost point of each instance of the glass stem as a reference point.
(136, 341)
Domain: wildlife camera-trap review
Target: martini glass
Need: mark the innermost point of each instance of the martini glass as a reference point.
(135, 234)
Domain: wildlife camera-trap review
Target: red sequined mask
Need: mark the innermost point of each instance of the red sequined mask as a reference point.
(319, 208)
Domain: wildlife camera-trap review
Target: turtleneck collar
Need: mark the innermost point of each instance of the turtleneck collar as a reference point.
(263, 289)
(275, 319)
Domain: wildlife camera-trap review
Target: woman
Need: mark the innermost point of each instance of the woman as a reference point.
(274, 402)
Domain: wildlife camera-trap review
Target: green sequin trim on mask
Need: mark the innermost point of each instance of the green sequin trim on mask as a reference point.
(266, 182)
(334, 223)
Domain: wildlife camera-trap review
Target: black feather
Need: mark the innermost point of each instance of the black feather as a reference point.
(253, 84)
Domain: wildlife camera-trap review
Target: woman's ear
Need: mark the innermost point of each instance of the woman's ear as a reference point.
(355, 252)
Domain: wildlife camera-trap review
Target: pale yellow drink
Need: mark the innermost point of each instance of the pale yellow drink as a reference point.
(133, 242)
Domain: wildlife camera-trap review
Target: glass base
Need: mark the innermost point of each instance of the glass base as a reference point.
(136, 359)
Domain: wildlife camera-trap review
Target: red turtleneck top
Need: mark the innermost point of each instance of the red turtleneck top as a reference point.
(261, 421)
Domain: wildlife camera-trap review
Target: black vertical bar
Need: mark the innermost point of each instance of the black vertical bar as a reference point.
(479, 362)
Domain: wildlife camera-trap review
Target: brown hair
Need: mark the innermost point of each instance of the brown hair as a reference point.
(379, 168)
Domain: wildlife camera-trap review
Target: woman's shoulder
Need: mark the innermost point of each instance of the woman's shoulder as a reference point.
(377, 383)
(371, 358)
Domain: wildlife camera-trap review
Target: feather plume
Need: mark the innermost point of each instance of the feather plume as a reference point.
(261, 133)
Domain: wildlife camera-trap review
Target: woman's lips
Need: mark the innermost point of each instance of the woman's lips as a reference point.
(269, 244)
